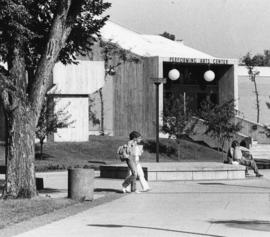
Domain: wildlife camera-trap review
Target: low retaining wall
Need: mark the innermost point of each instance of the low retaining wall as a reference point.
(117, 172)
(179, 171)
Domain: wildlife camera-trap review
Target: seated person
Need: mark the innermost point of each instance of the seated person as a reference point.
(242, 156)
(245, 151)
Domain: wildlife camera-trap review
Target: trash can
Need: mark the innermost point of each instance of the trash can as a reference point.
(81, 184)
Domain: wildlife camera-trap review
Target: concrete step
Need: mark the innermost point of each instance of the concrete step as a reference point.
(178, 171)
(261, 154)
(263, 149)
(260, 148)
(260, 145)
(267, 149)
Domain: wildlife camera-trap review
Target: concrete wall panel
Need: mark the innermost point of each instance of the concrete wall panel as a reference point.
(78, 131)
(247, 99)
(227, 85)
(84, 78)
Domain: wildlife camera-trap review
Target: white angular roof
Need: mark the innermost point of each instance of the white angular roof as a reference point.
(148, 45)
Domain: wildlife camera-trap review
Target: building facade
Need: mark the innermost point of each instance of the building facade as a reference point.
(132, 89)
(128, 95)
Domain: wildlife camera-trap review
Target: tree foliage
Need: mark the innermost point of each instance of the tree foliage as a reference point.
(168, 35)
(257, 59)
(92, 113)
(34, 35)
(219, 120)
(176, 116)
(30, 22)
(28, 31)
(113, 56)
(251, 62)
(51, 120)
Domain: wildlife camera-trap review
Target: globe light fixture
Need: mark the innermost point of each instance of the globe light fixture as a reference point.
(209, 76)
(174, 74)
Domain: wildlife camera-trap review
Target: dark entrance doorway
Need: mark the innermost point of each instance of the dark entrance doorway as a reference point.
(191, 84)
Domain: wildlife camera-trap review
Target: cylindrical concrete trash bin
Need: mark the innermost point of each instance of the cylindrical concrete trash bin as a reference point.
(81, 184)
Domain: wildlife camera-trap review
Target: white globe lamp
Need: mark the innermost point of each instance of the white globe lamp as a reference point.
(209, 76)
(174, 74)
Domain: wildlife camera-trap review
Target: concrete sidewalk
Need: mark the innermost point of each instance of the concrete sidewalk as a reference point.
(175, 208)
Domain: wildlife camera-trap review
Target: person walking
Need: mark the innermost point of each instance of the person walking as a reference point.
(135, 151)
(131, 178)
(140, 173)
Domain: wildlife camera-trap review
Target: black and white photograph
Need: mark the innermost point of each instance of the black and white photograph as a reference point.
(134, 118)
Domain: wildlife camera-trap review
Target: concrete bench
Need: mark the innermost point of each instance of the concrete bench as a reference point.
(117, 171)
(179, 171)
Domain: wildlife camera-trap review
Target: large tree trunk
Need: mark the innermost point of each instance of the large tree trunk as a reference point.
(22, 109)
(20, 179)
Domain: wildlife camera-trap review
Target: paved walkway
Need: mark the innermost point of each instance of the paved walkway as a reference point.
(202, 208)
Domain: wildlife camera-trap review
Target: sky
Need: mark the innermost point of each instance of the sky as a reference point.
(222, 28)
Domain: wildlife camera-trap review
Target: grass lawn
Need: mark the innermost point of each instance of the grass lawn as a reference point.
(102, 150)
(99, 150)
(42, 210)
(14, 211)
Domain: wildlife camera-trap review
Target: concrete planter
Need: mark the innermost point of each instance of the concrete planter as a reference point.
(81, 184)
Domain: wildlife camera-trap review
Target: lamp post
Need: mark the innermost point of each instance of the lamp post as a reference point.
(157, 82)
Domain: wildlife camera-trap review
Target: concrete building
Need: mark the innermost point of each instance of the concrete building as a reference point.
(132, 90)
(72, 86)
(129, 94)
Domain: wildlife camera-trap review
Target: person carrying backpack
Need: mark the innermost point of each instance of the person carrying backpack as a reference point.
(127, 154)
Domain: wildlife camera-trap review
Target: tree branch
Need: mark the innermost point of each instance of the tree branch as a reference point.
(58, 34)
(17, 71)
(3, 86)
(7, 96)
(10, 101)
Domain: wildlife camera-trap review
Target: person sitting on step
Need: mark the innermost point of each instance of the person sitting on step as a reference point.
(242, 156)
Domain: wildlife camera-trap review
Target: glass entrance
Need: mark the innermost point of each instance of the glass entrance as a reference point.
(191, 85)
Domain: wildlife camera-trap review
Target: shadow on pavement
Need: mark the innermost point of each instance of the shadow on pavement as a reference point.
(259, 225)
(152, 228)
(108, 190)
(235, 185)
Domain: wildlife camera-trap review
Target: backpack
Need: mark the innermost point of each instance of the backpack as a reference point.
(123, 152)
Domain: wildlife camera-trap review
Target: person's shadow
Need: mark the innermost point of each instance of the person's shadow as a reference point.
(260, 225)
(152, 228)
(112, 190)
